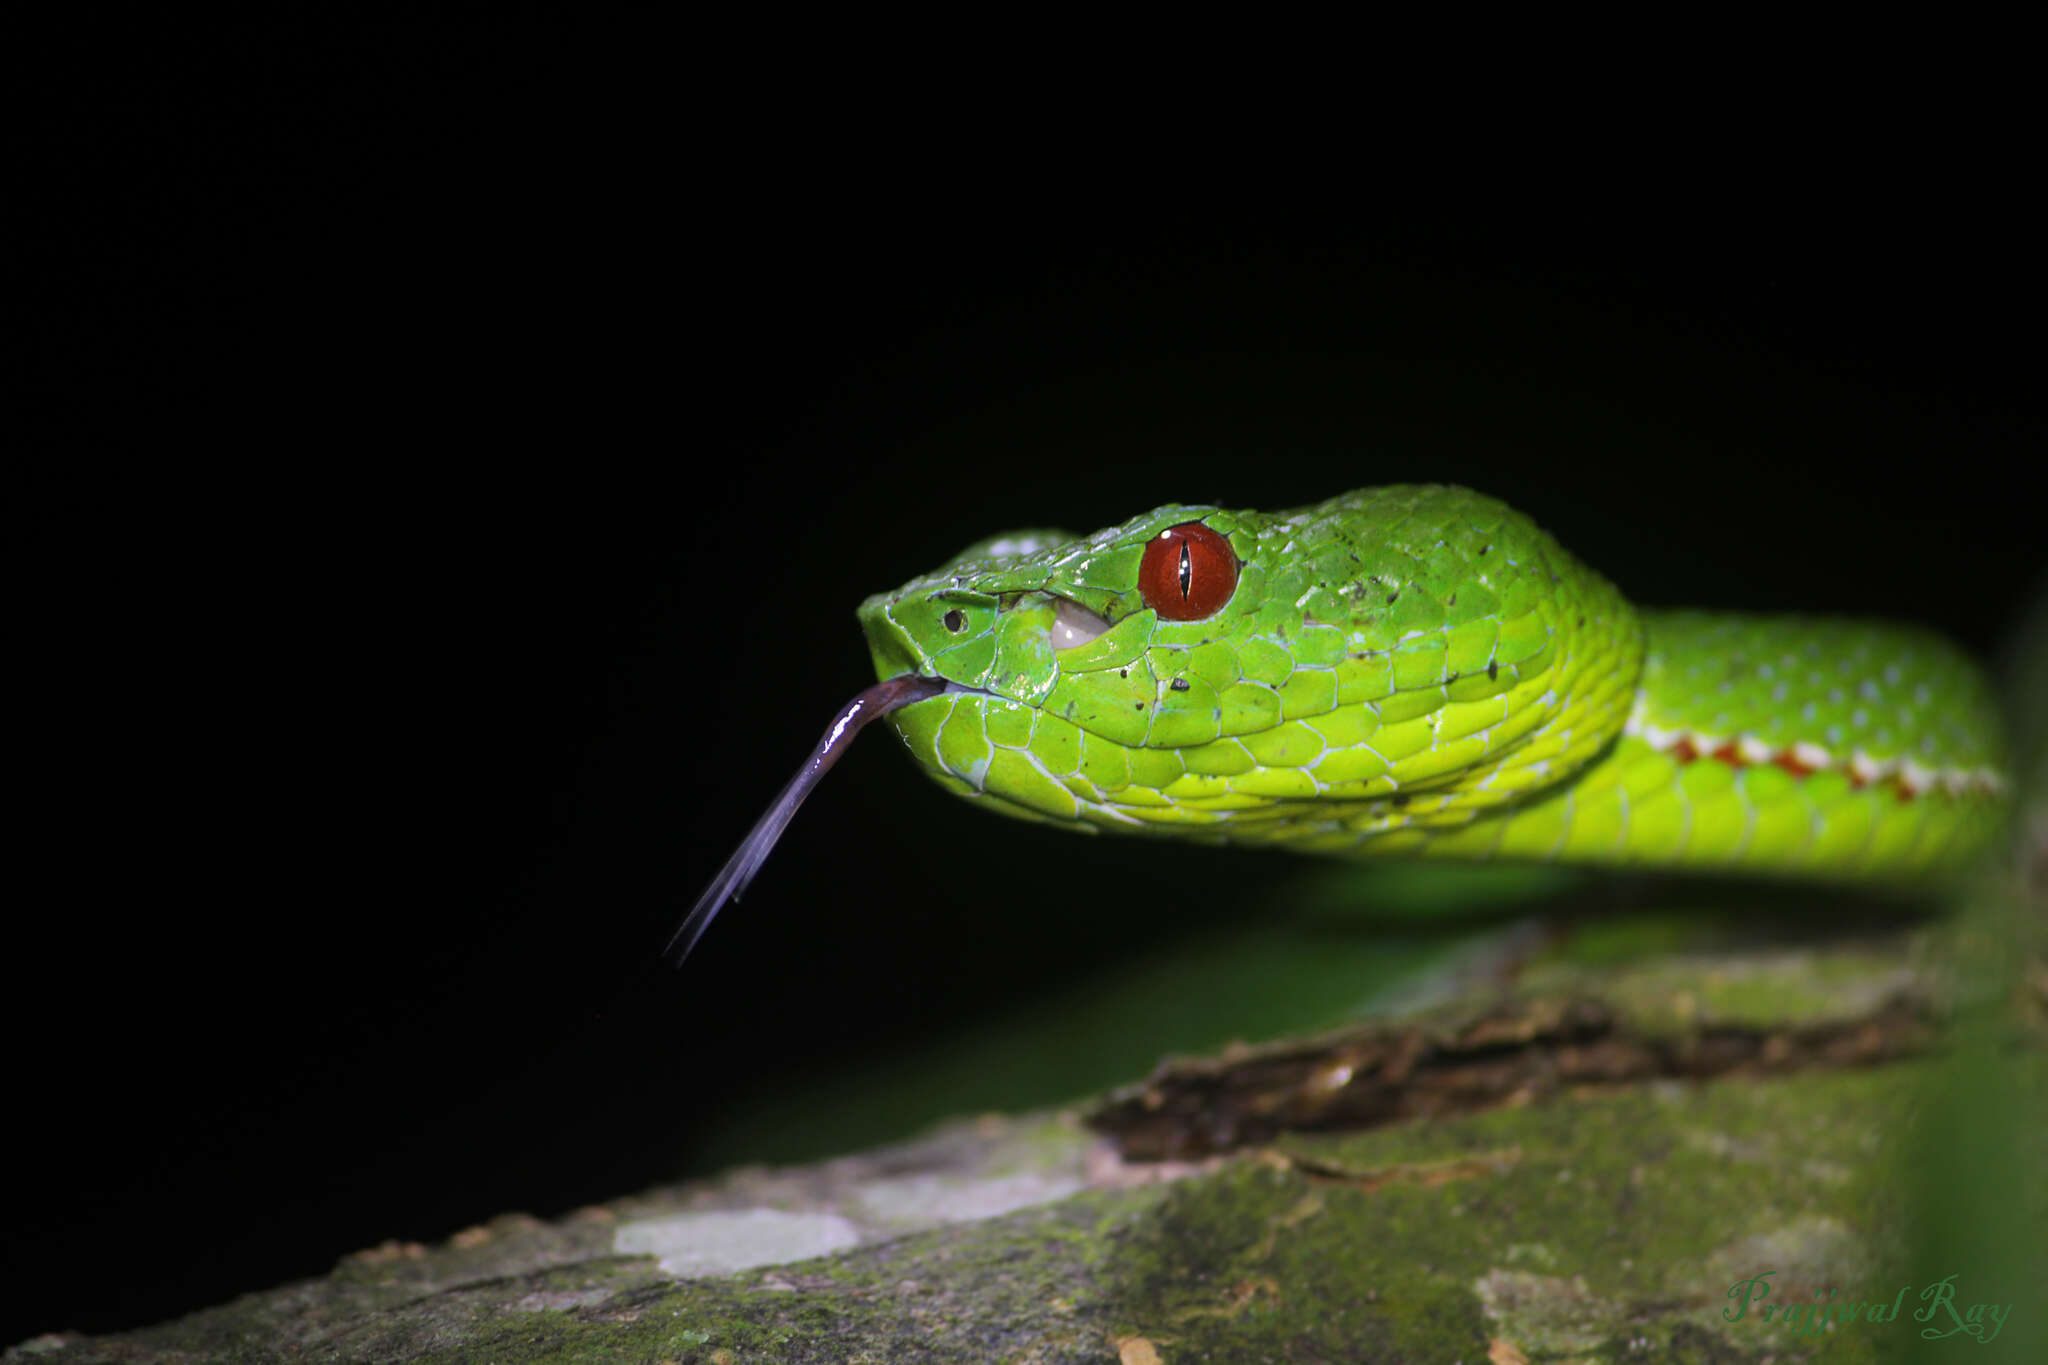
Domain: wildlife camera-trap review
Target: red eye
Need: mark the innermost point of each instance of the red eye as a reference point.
(1189, 572)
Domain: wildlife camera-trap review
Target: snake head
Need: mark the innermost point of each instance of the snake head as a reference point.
(1197, 670)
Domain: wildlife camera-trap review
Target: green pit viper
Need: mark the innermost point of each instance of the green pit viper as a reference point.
(1416, 670)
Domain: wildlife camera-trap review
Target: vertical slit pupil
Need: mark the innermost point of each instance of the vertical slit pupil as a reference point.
(1187, 571)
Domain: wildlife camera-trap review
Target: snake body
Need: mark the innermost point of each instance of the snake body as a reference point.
(1421, 669)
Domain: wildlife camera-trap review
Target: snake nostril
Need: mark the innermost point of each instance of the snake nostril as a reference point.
(956, 620)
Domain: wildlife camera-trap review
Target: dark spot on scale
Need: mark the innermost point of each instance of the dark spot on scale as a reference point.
(1123, 672)
(1138, 705)
(1450, 678)
(1393, 597)
(1453, 602)
(956, 620)
(1493, 669)
(1179, 684)
(1582, 618)
(1484, 548)
(1400, 800)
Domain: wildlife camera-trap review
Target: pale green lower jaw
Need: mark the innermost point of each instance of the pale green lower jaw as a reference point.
(1636, 805)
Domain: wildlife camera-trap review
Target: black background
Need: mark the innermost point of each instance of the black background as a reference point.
(454, 453)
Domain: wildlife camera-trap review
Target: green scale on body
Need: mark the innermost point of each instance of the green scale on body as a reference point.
(1421, 669)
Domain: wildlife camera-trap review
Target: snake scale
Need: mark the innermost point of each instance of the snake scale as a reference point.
(1414, 669)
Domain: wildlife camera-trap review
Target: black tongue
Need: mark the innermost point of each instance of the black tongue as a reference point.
(746, 860)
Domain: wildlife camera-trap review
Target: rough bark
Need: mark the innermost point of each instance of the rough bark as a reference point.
(1577, 1168)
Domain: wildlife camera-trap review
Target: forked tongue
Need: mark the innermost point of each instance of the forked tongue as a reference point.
(746, 860)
